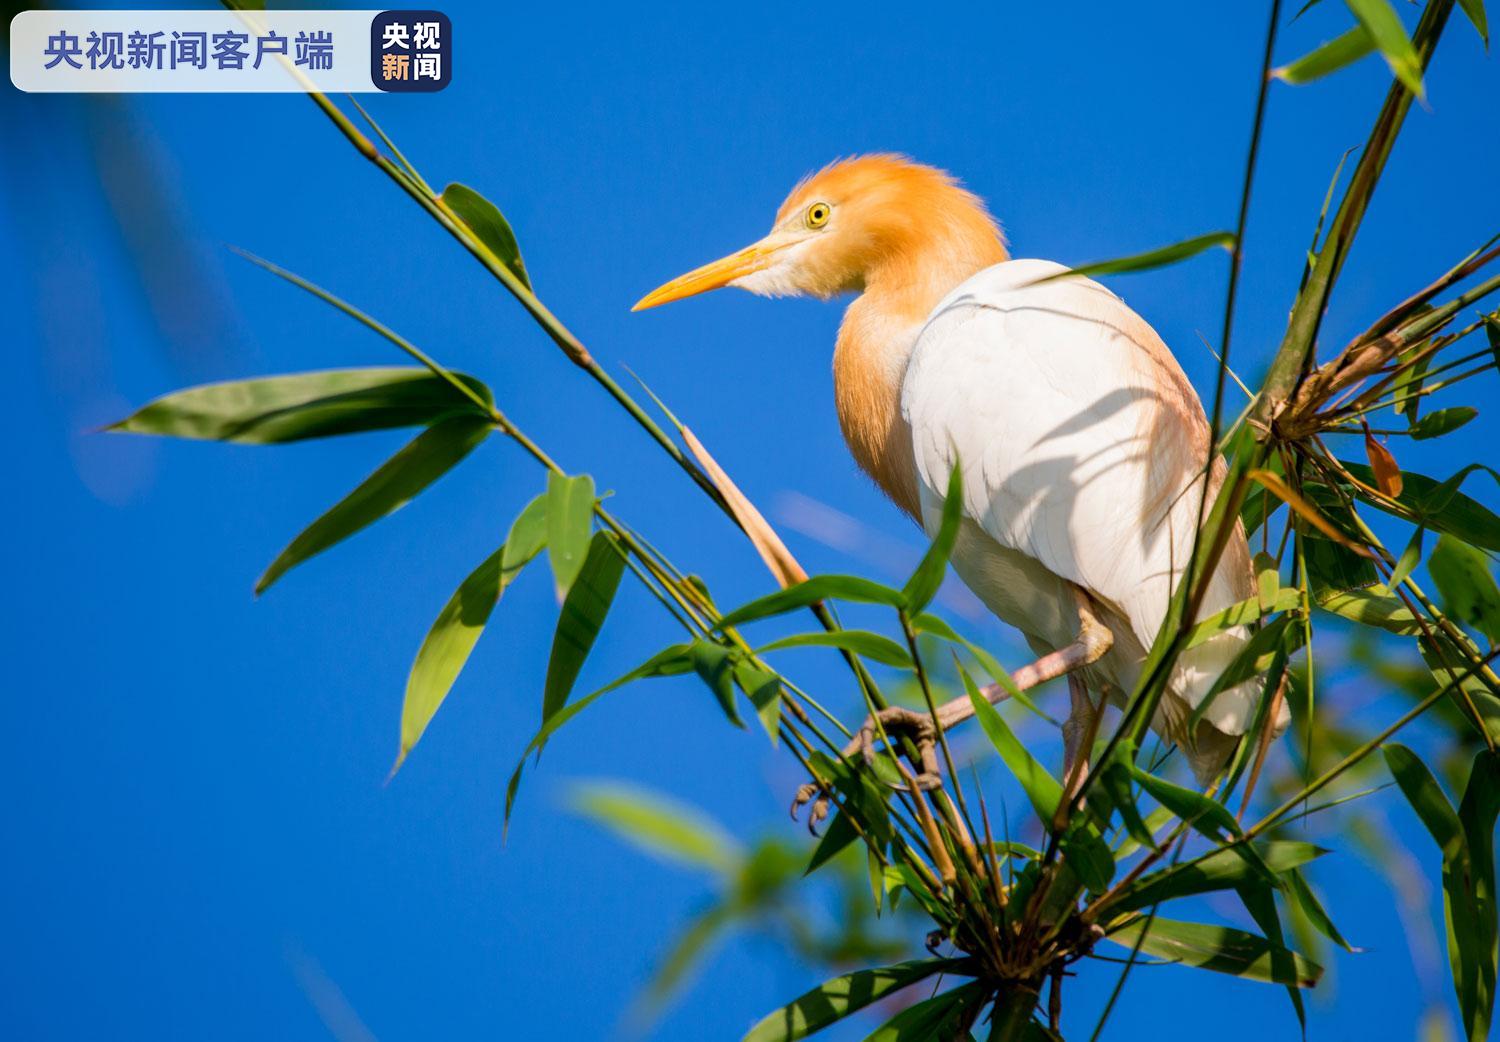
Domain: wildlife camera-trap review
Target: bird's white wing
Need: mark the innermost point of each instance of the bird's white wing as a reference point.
(1081, 442)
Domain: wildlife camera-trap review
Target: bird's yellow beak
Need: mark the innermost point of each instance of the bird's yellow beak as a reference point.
(712, 276)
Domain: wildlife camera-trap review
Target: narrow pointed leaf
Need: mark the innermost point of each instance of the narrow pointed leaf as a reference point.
(1307, 900)
(272, 410)
(715, 666)
(802, 595)
(763, 689)
(1469, 894)
(836, 999)
(869, 645)
(489, 224)
(1043, 790)
(924, 582)
(1157, 258)
(1444, 421)
(1474, 9)
(1441, 506)
(1332, 56)
(570, 518)
(1219, 948)
(1381, 21)
(931, 1019)
(581, 618)
(1221, 870)
(401, 478)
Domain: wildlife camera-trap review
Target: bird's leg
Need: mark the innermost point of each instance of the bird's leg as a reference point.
(1079, 732)
(1093, 640)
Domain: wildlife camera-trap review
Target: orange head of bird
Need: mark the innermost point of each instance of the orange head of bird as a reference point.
(848, 224)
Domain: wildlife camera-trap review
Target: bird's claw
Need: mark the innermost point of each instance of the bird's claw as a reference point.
(816, 795)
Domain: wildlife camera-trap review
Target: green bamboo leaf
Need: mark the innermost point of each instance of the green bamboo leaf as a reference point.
(1444, 421)
(936, 1018)
(1157, 258)
(272, 410)
(931, 624)
(715, 666)
(1221, 870)
(836, 999)
(1409, 559)
(1425, 796)
(1373, 606)
(1329, 58)
(1043, 790)
(804, 594)
(1316, 914)
(839, 834)
(1440, 505)
(489, 224)
(669, 662)
(570, 519)
(1205, 815)
(1244, 613)
(400, 479)
(924, 582)
(452, 637)
(1462, 575)
(1475, 11)
(1380, 20)
(1260, 902)
(1469, 895)
(581, 618)
(1406, 388)
(763, 689)
(660, 826)
(872, 646)
(1219, 948)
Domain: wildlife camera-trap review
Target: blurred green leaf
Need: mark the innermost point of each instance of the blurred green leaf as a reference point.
(272, 410)
(1157, 258)
(582, 616)
(1219, 948)
(1330, 57)
(836, 999)
(489, 224)
(1463, 578)
(455, 632)
(839, 834)
(924, 582)
(1406, 388)
(402, 477)
(804, 594)
(872, 646)
(660, 826)
(1380, 20)
(570, 519)
(1436, 424)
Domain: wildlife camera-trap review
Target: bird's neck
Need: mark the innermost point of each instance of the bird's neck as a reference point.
(875, 344)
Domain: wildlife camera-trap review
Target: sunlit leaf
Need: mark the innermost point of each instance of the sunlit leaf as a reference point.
(1443, 421)
(802, 595)
(582, 616)
(570, 517)
(936, 1018)
(1372, 606)
(271, 410)
(1381, 21)
(1219, 948)
(1302, 893)
(715, 666)
(1384, 466)
(872, 646)
(402, 477)
(1221, 870)
(1330, 57)
(489, 224)
(924, 582)
(836, 999)
(1157, 258)
(763, 689)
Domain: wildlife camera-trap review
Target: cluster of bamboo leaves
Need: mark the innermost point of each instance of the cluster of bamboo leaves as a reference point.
(1007, 920)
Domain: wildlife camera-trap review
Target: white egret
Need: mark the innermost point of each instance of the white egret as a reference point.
(1081, 441)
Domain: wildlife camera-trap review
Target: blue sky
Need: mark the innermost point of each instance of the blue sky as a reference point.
(195, 808)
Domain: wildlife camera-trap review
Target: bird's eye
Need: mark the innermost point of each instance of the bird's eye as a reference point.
(817, 215)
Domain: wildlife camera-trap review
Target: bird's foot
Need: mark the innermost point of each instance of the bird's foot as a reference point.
(896, 720)
(817, 795)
